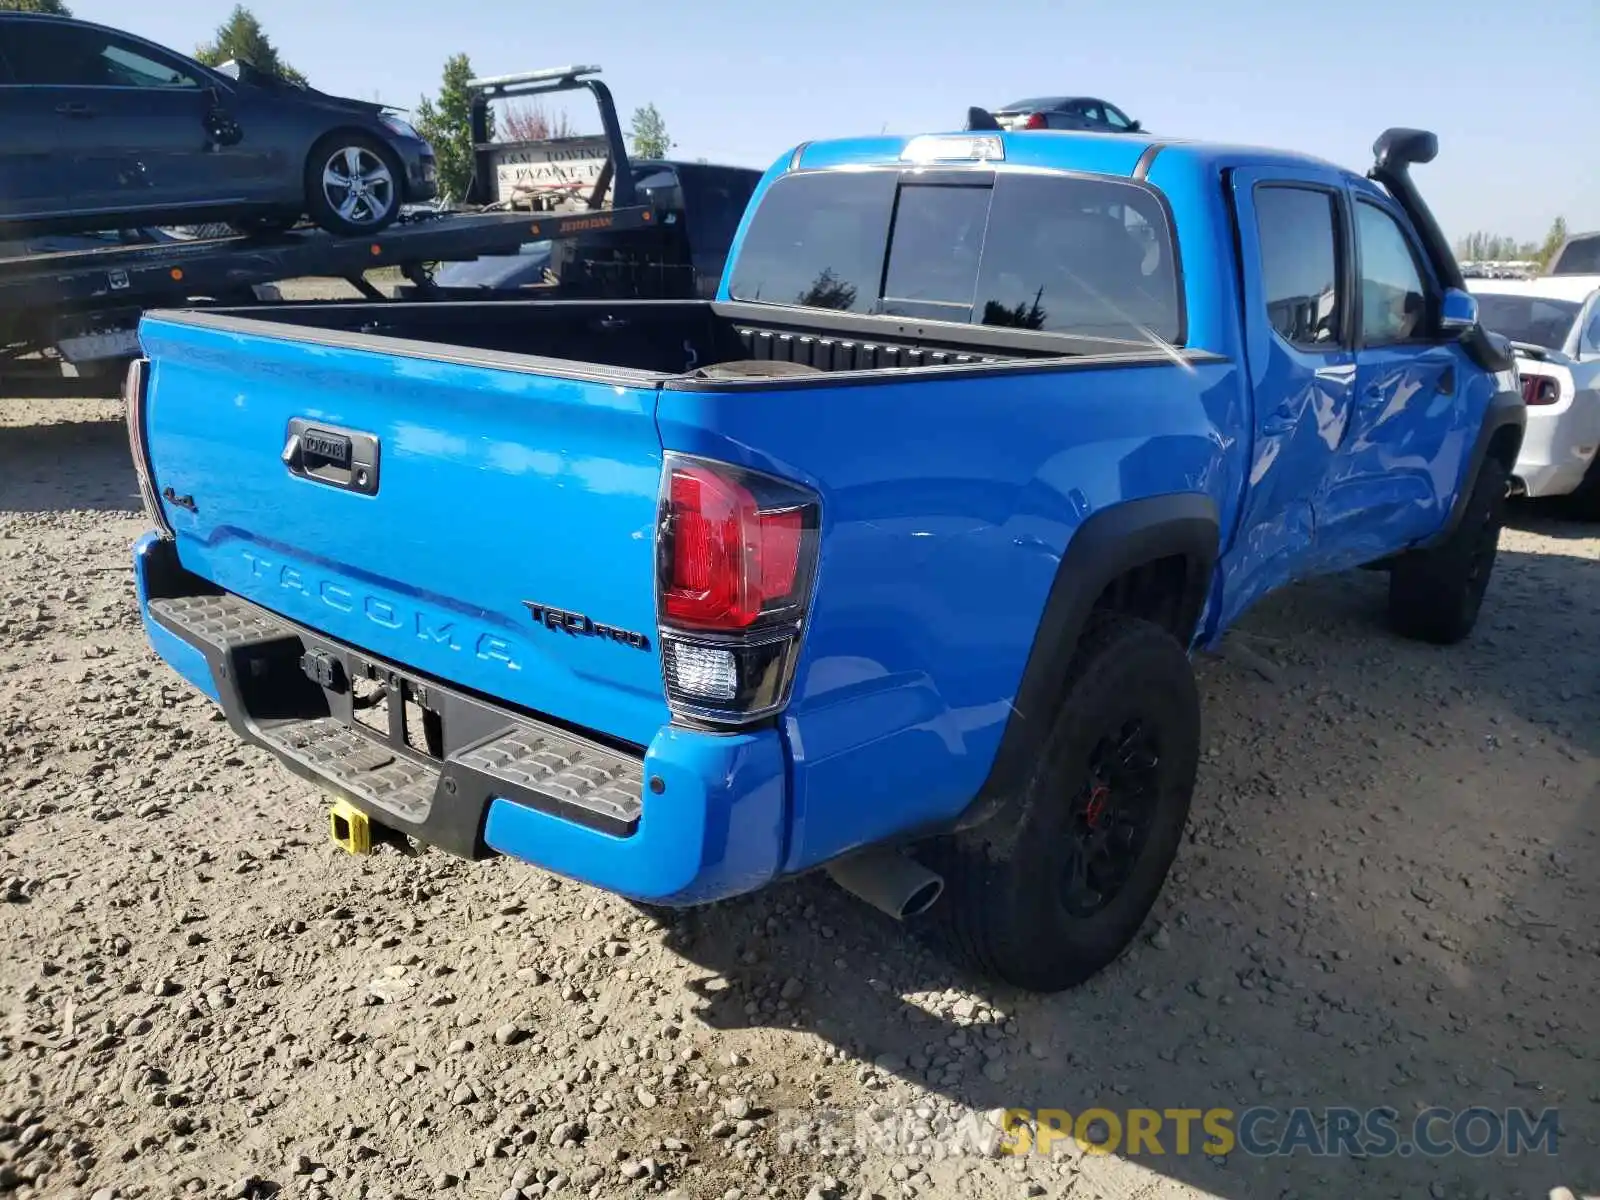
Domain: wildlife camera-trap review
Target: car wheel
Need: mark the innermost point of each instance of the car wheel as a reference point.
(353, 184)
(1435, 594)
(1055, 885)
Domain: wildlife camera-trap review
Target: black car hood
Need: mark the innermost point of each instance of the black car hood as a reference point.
(266, 81)
(366, 106)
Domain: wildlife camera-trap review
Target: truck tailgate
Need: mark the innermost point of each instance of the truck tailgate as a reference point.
(482, 524)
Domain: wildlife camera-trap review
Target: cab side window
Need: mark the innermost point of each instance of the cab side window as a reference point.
(130, 66)
(43, 54)
(1116, 119)
(1394, 299)
(1297, 232)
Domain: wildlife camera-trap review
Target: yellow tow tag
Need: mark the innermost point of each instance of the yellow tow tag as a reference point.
(349, 828)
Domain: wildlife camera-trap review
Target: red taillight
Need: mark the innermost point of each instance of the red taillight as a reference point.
(1036, 121)
(737, 553)
(1540, 389)
(780, 552)
(730, 561)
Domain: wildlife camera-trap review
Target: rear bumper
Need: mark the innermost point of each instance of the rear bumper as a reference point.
(421, 171)
(1560, 443)
(691, 818)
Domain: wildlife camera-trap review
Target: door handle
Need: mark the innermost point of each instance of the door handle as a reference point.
(342, 458)
(1278, 425)
(74, 109)
(1281, 420)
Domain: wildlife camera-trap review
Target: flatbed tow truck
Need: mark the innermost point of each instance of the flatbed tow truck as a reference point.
(68, 320)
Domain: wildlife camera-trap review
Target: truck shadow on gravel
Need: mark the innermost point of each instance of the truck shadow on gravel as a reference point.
(1550, 518)
(1387, 898)
(65, 466)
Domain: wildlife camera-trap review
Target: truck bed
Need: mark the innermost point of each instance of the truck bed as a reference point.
(470, 495)
(656, 342)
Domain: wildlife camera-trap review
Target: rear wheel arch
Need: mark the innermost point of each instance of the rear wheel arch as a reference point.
(1505, 444)
(1500, 436)
(1151, 558)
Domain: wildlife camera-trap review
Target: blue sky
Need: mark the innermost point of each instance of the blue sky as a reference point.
(1513, 89)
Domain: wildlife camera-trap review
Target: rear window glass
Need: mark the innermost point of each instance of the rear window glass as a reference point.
(818, 240)
(933, 261)
(1080, 256)
(1089, 257)
(1580, 256)
(1531, 319)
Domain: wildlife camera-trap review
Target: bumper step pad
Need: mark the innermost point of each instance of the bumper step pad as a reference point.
(573, 773)
(377, 775)
(490, 752)
(221, 622)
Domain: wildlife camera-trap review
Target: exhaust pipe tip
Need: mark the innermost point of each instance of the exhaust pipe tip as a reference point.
(889, 881)
(921, 900)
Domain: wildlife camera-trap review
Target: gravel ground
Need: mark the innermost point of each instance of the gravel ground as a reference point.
(1388, 896)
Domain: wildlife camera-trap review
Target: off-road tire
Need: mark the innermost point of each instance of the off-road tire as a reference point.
(1005, 909)
(1435, 594)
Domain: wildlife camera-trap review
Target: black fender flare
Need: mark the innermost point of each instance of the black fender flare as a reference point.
(1109, 544)
(1506, 411)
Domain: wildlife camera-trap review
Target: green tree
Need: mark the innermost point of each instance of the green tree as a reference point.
(650, 138)
(1494, 247)
(1552, 241)
(241, 37)
(447, 124)
(54, 7)
(827, 290)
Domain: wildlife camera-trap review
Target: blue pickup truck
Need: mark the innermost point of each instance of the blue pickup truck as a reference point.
(888, 561)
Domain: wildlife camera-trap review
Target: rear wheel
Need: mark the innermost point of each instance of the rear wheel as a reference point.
(353, 184)
(1055, 886)
(1435, 594)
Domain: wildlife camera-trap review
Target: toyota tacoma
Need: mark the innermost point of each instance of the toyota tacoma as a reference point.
(887, 561)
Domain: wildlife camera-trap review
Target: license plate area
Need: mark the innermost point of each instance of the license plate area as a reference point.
(396, 710)
(413, 753)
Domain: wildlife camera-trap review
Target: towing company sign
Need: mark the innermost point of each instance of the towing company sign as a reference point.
(562, 165)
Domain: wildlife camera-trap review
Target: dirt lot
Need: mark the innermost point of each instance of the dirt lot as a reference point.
(1389, 897)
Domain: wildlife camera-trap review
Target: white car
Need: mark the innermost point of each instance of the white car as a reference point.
(1554, 322)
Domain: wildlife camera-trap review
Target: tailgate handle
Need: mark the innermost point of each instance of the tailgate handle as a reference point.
(343, 458)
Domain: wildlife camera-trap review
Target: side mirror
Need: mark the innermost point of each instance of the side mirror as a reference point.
(1135, 126)
(1458, 314)
(221, 129)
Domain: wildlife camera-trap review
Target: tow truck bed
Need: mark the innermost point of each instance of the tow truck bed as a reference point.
(93, 298)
